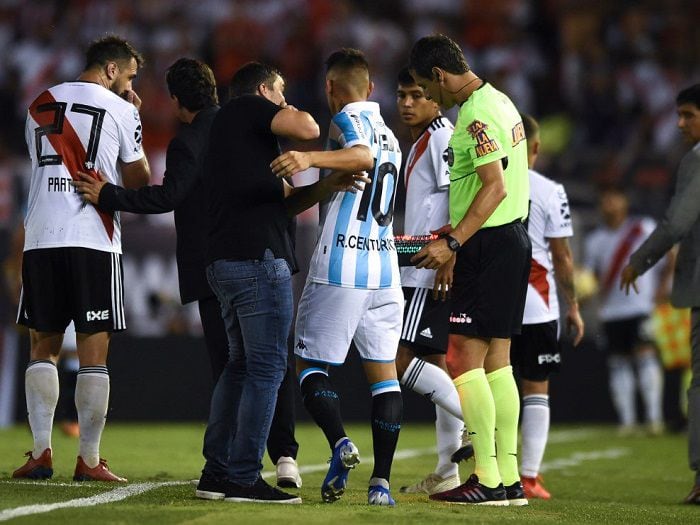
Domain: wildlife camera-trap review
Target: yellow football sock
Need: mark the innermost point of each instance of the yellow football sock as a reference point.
(507, 403)
(480, 419)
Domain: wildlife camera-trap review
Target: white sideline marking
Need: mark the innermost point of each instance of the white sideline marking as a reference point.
(135, 489)
(117, 494)
(575, 459)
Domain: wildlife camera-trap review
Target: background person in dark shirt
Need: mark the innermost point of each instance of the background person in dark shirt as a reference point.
(192, 89)
(251, 260)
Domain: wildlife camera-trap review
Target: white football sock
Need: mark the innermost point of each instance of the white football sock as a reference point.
(448, 431)
(534, 428)
(41, 388)
(432, 382)
(91, 399)
(622, 388)
(651, 385)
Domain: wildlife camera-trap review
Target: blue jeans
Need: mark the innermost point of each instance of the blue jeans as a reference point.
(256, 305)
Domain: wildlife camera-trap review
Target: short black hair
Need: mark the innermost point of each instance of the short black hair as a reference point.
(248, 78)
(437, 51)
(690, 95)
(532, 128)
(111, 48)
(193, 83)
(347, 58)
(405, 78)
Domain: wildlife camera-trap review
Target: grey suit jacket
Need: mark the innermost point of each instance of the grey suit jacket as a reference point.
(681, 222)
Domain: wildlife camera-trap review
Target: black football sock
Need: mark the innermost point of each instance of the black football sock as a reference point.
(323, 403)
(387, 409)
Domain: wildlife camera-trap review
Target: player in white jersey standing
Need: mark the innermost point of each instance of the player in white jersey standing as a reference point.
(420, 361)
(626, 334)
(71, 268)
(535, 352)
(353, 289)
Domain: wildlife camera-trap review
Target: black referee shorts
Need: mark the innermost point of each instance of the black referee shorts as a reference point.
(490, 282)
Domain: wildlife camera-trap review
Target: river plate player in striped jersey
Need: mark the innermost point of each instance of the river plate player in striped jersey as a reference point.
(535, 352)
(420, 361)
(353, 290)
(71, 268)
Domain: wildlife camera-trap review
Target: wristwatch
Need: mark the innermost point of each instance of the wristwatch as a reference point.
(452, 243)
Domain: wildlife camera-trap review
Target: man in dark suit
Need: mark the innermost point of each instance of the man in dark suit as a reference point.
(681, 224)
(193, 93)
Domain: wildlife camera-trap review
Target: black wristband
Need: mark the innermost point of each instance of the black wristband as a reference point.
(452, 243)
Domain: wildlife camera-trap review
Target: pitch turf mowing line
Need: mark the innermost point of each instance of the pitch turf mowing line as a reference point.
(112, 496)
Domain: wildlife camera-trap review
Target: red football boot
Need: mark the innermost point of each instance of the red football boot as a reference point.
(533, 488)
(39, 468)
(99, 473)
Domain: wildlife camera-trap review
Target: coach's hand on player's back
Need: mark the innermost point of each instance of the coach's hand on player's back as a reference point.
(432, 255)
(290, 163)
(89, 187)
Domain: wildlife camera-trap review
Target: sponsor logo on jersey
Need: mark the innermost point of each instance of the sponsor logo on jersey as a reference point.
(484, 143)
(548, 358)
(97, 315)
(449, 156)
(427, 333)
(517, 133)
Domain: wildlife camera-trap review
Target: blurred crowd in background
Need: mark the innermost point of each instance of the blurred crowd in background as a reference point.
(600, 76)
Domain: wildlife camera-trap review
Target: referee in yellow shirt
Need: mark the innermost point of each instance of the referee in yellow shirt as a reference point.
(489, 252)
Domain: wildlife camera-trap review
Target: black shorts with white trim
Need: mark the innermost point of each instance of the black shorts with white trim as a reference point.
(79, 284)
(425, 324)
(536, 352)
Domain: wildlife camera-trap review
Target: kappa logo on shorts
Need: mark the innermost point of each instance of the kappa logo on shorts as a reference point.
(548, 358)
(301, 345)
(460, 318)
(97, 315)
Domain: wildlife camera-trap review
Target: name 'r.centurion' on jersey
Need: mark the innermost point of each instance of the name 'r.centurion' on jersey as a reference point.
(356, 245)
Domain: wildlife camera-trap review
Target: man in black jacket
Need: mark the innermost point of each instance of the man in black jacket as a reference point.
(193, 92)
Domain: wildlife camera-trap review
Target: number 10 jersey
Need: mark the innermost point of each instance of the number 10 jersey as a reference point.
(355, 248)
(76, 126)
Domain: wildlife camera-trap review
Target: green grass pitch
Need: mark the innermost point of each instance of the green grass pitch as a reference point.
(594, 476)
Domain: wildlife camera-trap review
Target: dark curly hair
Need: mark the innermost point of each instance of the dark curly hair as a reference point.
(192, 82)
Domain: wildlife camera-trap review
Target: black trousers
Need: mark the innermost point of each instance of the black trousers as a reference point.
(281, 441)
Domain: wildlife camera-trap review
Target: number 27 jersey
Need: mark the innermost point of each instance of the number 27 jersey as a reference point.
(71, 127)
(355, 248)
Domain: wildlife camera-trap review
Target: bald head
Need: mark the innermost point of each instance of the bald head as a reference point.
(347, 77)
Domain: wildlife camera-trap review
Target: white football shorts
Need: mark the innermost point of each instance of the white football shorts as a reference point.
(330, 317)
